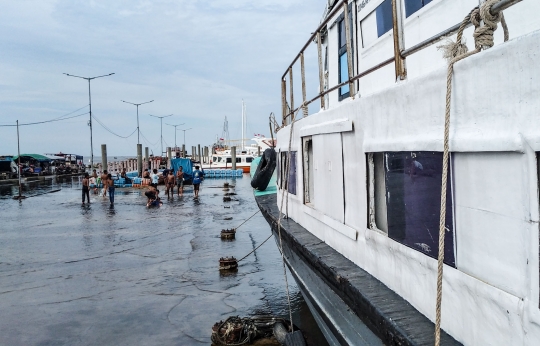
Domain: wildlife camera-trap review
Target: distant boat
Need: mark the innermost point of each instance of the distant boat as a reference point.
(115, 157)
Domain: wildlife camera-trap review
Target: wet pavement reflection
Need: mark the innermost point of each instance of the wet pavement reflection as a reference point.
(129, 275)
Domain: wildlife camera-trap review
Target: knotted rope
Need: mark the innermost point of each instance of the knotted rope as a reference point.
(454, 52)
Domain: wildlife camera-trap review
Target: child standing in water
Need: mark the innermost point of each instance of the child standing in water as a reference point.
(86, 188)
(169, 181)
(110, 184)
(180, 181)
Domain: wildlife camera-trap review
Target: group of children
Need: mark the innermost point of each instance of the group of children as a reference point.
(94, 180)
(170, 179)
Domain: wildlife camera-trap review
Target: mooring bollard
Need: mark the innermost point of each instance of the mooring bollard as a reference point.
(228, 263)
(228, 234)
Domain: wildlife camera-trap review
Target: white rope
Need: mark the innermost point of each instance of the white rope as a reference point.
(456, 51)
(285, 186)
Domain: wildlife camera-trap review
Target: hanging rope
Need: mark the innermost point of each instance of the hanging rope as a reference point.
(285, 187)
(454, 52)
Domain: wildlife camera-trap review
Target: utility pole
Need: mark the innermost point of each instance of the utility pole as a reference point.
(90, 105)
(185, 134)
(137, 104)
(161, 122)
(174, 131)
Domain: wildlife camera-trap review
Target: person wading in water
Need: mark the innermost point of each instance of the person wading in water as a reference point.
(110, 184)
(104, 178)
(169, 181)
(180, 181)
(197, 178)
(86, 188)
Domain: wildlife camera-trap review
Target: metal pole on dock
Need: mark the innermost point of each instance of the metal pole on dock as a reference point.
(233, 157)
(258, 151)
(104, 156)
(199, 151)
(139, 159)
(183, 150)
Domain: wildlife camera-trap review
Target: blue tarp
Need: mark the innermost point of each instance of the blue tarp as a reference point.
(187, 167)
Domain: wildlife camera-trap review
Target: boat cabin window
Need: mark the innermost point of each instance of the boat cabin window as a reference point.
(249, 159)
(219, 159)
(412, 6)
(307, 155)
(384, 17)
(214, 159)
(290, 183)
(229, 160)
(238, 159)
(344, 91)
(404, 200)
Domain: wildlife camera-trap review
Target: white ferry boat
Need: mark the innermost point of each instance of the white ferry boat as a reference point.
(361, 173)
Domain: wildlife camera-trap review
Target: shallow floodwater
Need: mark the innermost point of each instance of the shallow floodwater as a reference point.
(128, 275)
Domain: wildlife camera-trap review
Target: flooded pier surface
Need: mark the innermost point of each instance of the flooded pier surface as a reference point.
(129, 275)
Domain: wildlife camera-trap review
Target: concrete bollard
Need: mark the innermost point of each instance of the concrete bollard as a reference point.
(233, 157)
(104, 156)
(199, 153)
(139, 160)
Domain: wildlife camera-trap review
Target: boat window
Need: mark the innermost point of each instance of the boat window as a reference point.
(343, 69)
(411, 182)
(412, 6)
(214, 159)
(229, 160)
(307, 155)
(219, 159)
(377, 192)
(238, 159)
(384, 17)
(291, 182)
(249, 159)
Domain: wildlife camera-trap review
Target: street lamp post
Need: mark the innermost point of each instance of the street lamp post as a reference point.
(137, 104)
(90, 105)
(174, 132)
(185, 134)
(161, 122)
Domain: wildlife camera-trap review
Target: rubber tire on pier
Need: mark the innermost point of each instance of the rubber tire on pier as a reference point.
(265, 169)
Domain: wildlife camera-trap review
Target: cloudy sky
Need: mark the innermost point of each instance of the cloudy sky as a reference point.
(196, 59)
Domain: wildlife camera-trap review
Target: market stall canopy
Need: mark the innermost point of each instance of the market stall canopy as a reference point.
(36, 157)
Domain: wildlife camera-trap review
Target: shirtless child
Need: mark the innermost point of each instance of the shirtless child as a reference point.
(169, 182)
(180, 181)
(104, 177)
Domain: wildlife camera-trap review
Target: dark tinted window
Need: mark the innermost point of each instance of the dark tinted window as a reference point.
(413, 197)
(384, 17)
(238, 159)
(249, 159)
(229, 160)
(412, 6)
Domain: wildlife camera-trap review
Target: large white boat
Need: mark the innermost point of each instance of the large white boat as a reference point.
(361, 173)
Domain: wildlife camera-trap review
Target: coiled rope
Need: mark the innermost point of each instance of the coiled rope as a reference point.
(454, 52)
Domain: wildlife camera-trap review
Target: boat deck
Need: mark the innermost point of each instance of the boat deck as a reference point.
(387, 314)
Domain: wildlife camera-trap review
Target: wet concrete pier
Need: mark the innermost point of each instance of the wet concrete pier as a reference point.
(128, 275)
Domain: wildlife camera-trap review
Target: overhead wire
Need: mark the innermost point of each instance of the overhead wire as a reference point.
(45, 121)
(111, 131)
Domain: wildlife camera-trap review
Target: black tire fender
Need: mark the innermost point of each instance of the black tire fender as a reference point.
(265, 169)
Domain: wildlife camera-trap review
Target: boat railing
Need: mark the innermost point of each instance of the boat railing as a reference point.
(400, 55)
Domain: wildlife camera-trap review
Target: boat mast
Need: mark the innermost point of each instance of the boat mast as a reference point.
(243, 123)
